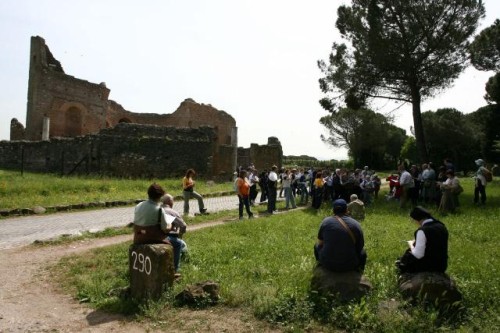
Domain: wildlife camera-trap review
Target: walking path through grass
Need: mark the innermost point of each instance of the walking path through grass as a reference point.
(20, 231)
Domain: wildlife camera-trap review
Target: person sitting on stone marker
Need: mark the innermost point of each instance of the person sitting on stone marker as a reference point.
(340, 246)
(429, 251)
(150, 219)
(174, 234)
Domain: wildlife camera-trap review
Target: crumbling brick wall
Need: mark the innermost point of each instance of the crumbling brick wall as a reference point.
(85, 131)
(74, 106)
(128, 150)
(77, 107)
(262, 156)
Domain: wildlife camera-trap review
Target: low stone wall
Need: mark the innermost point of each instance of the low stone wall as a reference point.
(127, 150)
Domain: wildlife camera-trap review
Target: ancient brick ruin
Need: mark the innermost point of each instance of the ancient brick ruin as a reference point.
(71, 125)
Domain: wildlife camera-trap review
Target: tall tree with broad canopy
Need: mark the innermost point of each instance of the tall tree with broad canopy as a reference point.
(403, 50)
(485, 56)
(485, 50)
(369, 136)
(450, 134)
(493, 89)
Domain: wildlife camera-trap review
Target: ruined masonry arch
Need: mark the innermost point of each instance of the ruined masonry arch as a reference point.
(74, 114)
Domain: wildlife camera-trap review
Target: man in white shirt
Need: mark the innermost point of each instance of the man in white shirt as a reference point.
(272, 186)
(406, 183)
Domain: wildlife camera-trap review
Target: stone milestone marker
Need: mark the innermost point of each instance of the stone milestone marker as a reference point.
(151, 268)
(346, 286)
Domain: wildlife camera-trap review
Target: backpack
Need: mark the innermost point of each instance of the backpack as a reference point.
(487, 175)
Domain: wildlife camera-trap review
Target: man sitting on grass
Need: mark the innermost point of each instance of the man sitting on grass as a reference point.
(340, 246)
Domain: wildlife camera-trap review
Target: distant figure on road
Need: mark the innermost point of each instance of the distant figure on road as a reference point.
(243, 190)
(150, 220)
(189, 192)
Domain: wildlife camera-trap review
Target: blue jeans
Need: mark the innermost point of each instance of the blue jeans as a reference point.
(303, 193)
(289, 198)
(179, 246)
(244, 201)
(479, 191)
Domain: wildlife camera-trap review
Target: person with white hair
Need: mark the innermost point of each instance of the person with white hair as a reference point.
(356, 208)
(480, 187)
(175, 231)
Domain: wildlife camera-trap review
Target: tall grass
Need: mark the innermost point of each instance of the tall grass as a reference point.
(265, 265)
(32, 189)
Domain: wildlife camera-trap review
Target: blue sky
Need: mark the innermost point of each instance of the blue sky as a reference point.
(255, 60)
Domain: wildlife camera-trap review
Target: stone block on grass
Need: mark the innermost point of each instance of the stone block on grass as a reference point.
(430, 288)
(199, 294)
(151, 269)
(345, 286)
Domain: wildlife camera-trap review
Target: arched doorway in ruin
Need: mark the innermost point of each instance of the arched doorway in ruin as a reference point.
(125, 120)
(73, 121)
(69, 120)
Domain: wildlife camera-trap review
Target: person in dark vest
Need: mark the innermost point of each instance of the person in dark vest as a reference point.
(428, 252)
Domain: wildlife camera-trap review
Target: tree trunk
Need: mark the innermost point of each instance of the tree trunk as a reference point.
(419, 128)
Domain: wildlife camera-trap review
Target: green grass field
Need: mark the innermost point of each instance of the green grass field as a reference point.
(45, 190)
(265, 266)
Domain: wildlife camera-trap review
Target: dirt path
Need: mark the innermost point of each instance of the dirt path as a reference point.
(30, 302)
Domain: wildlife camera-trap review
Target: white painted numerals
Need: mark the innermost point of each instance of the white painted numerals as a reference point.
(142, 263)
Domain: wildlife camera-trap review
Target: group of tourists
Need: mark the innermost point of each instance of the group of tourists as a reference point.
(427, 185)
(296, 186)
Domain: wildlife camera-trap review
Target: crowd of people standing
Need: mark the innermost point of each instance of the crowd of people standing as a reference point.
(298, 185)
(439, 186)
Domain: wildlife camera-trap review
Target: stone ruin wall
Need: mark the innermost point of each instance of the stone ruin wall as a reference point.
(262, 156)
(128, 150)
(74, 106)
(189, 114)
(77, 107)
(80, 115)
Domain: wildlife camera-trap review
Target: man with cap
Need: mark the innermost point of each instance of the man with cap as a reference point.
(429, 251)
(480, 187)
(340, 246)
